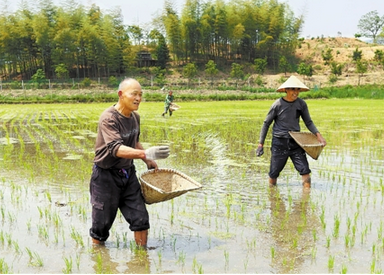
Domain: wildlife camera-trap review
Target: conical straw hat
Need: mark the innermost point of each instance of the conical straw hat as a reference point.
(292, 82)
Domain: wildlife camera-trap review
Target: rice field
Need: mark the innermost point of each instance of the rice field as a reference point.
(235, 224)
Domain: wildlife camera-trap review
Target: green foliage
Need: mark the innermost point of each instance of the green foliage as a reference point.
(39, 76)
(162, 53)
(332, 78)
(190, 70)
(371, 24)
(160, 76)
(210, 68)
(379, 56)
(61, 71)
(86, 82)
(237, 71)
(327, 56)
(336, 69)
(284, 65)
(304, 69)
(113, 82)
(259, 80)
(357, 55)
(260, 65)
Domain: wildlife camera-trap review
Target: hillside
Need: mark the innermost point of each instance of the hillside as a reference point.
(342, 50)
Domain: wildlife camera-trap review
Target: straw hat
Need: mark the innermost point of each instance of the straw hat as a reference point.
(292, 82)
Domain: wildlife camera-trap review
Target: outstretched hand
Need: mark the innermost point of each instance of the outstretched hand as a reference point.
(157, 152)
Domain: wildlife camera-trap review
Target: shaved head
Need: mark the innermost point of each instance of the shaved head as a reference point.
(127, 83)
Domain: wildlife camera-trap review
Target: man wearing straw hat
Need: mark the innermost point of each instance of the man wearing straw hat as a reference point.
(286, 113)
(114, 184)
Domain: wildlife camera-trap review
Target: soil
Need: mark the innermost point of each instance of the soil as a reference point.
(342, 51)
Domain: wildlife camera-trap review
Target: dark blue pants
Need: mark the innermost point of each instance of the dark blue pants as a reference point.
(282, 149)
(113, 189)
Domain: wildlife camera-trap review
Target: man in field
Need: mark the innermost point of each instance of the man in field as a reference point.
(114, 184)
(167, 103)
(286, 113)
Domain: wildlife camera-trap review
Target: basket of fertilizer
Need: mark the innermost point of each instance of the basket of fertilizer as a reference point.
(174, 107)
(165, 184)
(308, 142)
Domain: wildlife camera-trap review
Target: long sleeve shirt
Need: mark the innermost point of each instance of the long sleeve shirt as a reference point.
(286, 116)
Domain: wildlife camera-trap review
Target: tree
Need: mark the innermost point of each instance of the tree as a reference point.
(162, 53)
(336, 69)
(190, 71)
(237, 71)
(357, 55)
(304, 69)
(284, 65)
(327, 56)
(260, 65)
(379, 56)
(61, 71)
(211, 70)
(371, 24)
(38, 77)
(361, 69)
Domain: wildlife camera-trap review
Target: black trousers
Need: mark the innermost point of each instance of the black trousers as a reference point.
(282, 149)
(113, 189)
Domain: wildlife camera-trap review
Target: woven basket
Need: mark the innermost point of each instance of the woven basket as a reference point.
(308, 142)
(165, 184)
(174, 107)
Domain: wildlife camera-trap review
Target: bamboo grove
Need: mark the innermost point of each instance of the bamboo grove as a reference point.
(89, 42)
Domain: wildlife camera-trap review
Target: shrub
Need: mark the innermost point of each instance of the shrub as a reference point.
(86, 82)
(113, 82)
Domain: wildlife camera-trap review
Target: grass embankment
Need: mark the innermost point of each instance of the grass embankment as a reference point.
(78, 96)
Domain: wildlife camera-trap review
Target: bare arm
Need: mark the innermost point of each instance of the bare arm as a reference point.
(321, 139)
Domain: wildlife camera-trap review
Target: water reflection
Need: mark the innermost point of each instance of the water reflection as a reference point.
(103, 263)
(293, 225)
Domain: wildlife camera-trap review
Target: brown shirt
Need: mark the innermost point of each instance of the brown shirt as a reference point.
(114, 129)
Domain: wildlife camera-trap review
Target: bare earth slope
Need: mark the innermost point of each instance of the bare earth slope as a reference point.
(342, 51)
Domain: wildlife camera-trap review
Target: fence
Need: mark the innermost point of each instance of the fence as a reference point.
(148, 82)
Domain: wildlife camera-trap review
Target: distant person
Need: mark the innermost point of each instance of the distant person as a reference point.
(286, 112)
(167, 103)
(114, 184)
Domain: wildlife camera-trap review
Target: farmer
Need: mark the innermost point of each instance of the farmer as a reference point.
(286, 112)
(114, 184)
(167, 103)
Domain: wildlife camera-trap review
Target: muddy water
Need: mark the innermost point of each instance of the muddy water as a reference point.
(235, 224)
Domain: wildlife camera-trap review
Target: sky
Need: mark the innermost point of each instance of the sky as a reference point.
(328, 18)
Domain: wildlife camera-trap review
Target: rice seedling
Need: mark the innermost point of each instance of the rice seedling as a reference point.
(68, 265)
(4, 268)
(331, 262)
(344, 269)
(34, 258)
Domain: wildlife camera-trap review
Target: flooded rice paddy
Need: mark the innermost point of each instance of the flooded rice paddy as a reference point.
(235, 224)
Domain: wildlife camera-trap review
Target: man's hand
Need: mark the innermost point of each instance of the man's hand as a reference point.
(260, 151)
(157, 152)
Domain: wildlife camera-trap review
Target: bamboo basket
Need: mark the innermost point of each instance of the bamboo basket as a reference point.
(309, 143)
(165, 184)
(174, 107)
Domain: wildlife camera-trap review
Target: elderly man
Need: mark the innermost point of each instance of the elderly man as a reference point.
(286, 113)
(114, 184)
